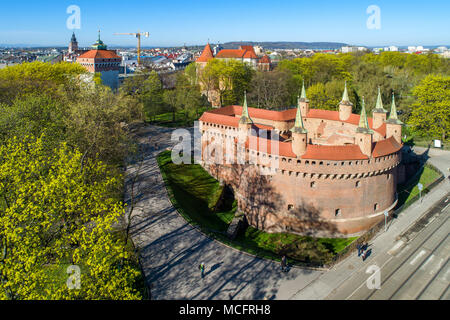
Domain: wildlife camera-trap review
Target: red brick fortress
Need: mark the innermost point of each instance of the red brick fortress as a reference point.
(334, 173)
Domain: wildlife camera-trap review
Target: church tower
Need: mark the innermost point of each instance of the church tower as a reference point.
(73, 45)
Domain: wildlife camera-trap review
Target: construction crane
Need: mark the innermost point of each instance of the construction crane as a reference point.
(138, 35)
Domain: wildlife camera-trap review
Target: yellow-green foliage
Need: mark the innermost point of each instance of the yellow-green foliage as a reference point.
(37, 77)
(431, 113)
(56, 211)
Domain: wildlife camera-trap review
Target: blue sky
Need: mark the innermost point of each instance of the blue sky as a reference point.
(177, 22)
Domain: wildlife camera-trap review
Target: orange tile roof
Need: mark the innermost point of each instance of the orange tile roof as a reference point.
(385, 147)
(220, 119)
(334, 153)
(289, 115)
(250, 54)
(231, 54)
(334, 115)
(284, 148)
(264, 59)
(206, 55)
(99, 54)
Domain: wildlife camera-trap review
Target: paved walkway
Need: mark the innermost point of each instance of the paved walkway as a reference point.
(171, 250)
(329, 283)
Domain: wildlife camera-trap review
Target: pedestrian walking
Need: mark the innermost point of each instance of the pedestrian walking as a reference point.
(283, 263)
(358, 246)
(202, 269)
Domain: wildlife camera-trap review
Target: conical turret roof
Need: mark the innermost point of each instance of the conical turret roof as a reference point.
(206, 55)
(303, 96)
(298, 126)
(345, 99)
(363, 126)
(379, 106)
(245, 117)
(393, 115)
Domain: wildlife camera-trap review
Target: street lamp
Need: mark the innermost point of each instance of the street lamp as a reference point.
(386, 214)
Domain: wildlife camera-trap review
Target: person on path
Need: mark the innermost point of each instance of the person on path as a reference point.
(283, 263)
(358, 246)
(202, 269)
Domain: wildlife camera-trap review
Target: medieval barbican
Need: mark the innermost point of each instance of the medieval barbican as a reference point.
(331, 173)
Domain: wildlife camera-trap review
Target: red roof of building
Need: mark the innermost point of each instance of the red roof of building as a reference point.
(250, 55)
(289, 115)
(265, 59)
(229, 116)
(220, 119)
(206, 55)
(385, 147)
(334, 115)
(231, 54)
(268, 146)
(99, 54)
(336, 153)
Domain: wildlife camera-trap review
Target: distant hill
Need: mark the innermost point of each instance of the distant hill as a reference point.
(286, 45)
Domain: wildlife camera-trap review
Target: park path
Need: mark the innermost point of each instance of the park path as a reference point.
(170, 249)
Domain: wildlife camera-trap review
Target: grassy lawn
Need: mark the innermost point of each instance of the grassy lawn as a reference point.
(194, 192)
(408, 190)
(426, 142)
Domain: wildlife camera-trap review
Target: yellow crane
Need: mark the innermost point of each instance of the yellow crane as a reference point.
(138, 35)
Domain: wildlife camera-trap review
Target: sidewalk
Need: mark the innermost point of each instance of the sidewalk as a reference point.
(327, 283)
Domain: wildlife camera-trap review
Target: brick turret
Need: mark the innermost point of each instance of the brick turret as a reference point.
(364, 136)
(299, 133)
(345, 106)
(304, 102)
(393, 124)
(379, 113)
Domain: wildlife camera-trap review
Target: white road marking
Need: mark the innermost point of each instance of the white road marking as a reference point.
(446, 275)
(365, 282)
(438, 267)
(430, 258)
(396, 247)
(417, 257)
(445, 207)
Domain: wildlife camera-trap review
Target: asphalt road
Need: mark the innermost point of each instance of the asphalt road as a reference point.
(416, 267)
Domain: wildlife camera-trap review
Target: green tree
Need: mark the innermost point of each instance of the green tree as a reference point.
(431, 114)
(152, 95)
(39, 78)
(54, 212)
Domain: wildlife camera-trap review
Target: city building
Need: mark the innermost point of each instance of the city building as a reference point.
(349, 49)
(103, 61)
(245, 54)
(332, 173)
(73, 45)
